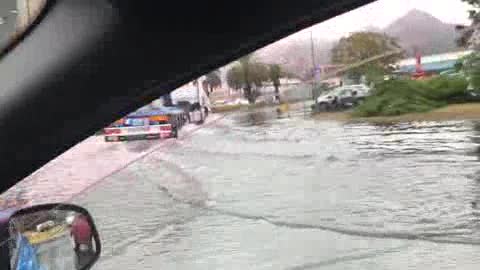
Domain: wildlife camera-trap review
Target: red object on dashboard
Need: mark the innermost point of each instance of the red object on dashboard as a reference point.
(81, 231)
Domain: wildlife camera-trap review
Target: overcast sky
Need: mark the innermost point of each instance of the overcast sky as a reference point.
(381, 13)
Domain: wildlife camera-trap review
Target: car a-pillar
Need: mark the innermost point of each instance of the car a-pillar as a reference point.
(27, 11)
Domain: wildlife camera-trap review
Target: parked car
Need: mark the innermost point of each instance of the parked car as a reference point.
(342, 97)
(325, 102)
(352, 95)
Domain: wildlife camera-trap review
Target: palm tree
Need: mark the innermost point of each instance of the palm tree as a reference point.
(247, 82)
(466, 34)
(275, 73)
(167, 100)
(245, 74)
(213, 80)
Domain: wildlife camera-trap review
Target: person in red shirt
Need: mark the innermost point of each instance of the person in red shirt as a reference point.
(81, 232)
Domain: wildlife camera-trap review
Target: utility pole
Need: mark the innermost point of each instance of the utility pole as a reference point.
(314, 65)
(200, 97)
(312, 50)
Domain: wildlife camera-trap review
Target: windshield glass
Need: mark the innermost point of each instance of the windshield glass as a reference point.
(135, 122)
(8, 21)
(15, 17)
(271, 162)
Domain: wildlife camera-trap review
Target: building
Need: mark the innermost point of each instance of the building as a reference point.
(431, 64)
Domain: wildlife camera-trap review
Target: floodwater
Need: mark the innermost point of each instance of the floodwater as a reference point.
(269, 190)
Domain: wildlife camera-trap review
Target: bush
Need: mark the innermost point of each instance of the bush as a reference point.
(402, 96)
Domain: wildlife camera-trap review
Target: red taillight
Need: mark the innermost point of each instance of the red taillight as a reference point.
(166, 128)
(110, 131)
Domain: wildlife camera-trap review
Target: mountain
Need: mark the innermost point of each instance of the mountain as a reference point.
(295, 54)
(418, 29)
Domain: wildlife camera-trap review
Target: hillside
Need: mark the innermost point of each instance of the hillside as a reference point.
(418, 29)
(295, 54)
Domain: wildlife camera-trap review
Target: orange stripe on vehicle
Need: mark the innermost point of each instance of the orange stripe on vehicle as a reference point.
(159, 118)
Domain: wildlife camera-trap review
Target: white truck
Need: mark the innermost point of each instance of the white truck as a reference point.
(198, 101)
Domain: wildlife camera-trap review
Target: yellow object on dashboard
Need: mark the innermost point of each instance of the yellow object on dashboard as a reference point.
(41, 237)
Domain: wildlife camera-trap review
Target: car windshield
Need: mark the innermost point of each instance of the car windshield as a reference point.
(266, 163)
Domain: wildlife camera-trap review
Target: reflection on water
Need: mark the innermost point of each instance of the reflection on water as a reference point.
(255, 117)
(264, 189)
(476, 137)
(138, 146)
(268, 115)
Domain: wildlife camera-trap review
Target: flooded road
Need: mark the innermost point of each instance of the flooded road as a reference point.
(268, 190)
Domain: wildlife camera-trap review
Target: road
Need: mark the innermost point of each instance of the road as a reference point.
(261, 189)
(89, 163)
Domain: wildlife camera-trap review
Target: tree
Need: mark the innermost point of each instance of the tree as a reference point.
(275, 73)
(362, 46)
(474, 13)
(466, 33)
(234, 77)
(213, 80)
(205, 87)
(167, 100)
(245, 74)
(470, 66)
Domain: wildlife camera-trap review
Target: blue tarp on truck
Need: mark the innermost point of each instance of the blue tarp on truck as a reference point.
(152, 112)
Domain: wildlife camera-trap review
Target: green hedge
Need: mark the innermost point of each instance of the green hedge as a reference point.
(402, 96)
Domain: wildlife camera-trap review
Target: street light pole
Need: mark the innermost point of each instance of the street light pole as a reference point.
(314, 66)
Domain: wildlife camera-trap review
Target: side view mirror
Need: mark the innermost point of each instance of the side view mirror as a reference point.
(52, 237)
